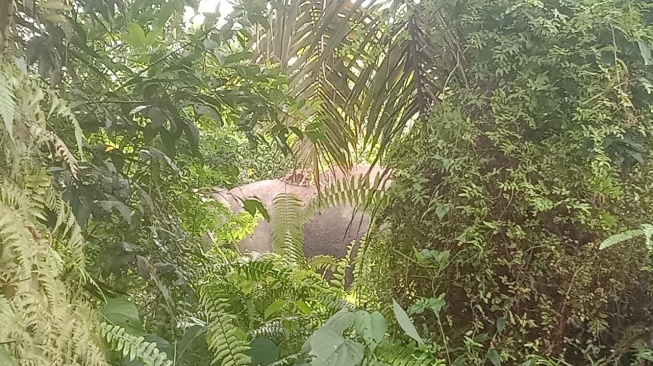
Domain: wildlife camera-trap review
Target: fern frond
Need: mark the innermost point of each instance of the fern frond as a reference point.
(7, 316)
(271, 330)
(7, 103)
(43, 137)
(358, 191)
(395, 353)
(50, 325)
(332, 303)
(60, 108)
(69, 240)
(322, 262)
(288, 227)
(287, 360)
(646, 231)
(132, 347)
(254, 271)
(343, 264)
(222, 336)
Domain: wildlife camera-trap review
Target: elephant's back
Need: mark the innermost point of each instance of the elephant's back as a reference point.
(265, 191)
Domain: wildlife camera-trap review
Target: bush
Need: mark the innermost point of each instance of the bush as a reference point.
(536, 153)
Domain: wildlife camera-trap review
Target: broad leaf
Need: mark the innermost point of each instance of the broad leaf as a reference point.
(501, 324)
(236, 57)
(136, 36)
(371, 327)
(404, 322)
(193, 335)
(332, 349)
(263, 352)
(6, 359)
(340, 320)
(122, 208)
(494, 357)
(273, 308)
(123, 313)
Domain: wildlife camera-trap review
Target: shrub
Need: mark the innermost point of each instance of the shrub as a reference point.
(536, 153)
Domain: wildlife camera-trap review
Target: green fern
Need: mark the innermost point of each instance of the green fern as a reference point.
(132, 347)
(646, 231)
(43, 137)
(271, 330)
(222, 336)
(358, 191)
(395, 353)
(288, 227)
(49, 323)
(7, 103)
(262, 297)
(322, 262)
(58, 107)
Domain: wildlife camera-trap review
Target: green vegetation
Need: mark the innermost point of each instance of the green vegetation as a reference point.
(516, 231)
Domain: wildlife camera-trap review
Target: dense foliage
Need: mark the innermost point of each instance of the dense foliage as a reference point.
(518, 133)
(538, 151)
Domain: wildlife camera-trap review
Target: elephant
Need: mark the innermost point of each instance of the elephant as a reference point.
(329, 232)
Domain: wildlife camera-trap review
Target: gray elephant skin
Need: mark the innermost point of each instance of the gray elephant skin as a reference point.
(331, 229)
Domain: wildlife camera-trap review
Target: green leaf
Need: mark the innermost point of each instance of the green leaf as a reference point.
(135, 36)
(620, 237)
(273, 308)
(303, 306)
(169, 143)
(55, 18)
(263, 352)
(441, 210)
(645, 51)
(6, 359)
(122, 208)
(193, 135)
(138, 109)
(332, 349)
(501, 324)
(251, 205)
(341, 320)
(162, 158)
(404, 322)
(494, 357)
(371, 327)
(237, 57)
(192, 334)
(144, 267)
(7, 104)
(123, 313)
(157, 116)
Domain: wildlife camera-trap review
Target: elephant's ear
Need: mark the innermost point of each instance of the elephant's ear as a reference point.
(288, 219)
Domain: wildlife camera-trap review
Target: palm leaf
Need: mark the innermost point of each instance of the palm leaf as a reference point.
(359, 75)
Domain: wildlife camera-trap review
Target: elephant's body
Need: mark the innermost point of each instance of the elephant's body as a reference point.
(329, 232)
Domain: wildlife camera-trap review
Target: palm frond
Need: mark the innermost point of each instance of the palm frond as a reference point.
(360, 71)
